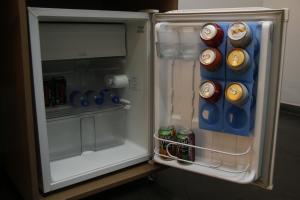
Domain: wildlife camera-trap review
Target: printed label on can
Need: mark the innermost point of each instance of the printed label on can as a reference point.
(167, 134)
(185, 152)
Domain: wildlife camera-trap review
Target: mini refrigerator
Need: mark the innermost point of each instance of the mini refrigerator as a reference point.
(198, 90)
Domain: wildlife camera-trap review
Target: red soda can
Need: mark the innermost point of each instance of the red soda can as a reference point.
(211, 34)
(47, 92)
(211, 59)
(210, 91)
(60, 90)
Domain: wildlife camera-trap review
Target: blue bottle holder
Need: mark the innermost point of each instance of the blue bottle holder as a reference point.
(239, 120)
(211, 114)
(220, 72)
(253, 50)
(223, 116)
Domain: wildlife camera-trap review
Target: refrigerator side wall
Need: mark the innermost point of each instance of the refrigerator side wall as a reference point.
(39, 99)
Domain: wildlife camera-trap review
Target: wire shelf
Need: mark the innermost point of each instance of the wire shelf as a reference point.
(216, 165)
(69, 110)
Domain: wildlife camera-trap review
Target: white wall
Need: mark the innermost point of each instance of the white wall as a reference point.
(291, 71)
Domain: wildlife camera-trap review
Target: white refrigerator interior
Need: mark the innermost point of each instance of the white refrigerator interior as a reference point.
(76, 52)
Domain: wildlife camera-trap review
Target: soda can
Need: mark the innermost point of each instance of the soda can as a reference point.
(211, 59)
(47, 92)
(185, 136)
(167, 133)
(60, 90)
(238, 60)
(210, 91)
(239, 34)
(236, 93)
(211, 34)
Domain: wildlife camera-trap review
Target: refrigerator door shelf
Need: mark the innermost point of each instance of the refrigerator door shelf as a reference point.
(230, 157)
(215, 163)
(243, 176)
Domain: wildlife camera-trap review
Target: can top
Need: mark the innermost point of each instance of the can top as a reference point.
(236, 58)
(234, 92)
(166, 130)
(207, 89)
(208, 31)
(207, 57)
(238, 30)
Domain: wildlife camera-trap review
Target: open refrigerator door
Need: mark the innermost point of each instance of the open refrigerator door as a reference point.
(217, 79)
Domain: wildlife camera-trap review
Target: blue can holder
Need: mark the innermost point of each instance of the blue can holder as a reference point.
(239, 120)
(220, 72)
(253, 50)
(211, 114)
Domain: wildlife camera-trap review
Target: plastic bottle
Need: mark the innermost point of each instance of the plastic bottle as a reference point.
(109, 96)
(94, 98)
(78, 99)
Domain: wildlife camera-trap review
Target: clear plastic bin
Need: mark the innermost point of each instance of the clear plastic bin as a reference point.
(85, 133)
(168, 42)
(189, 42)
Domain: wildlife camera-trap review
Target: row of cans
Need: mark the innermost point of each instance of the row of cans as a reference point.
(235, 92)
(184, 136)
(239, 34)
(55, 91)
(237, 60)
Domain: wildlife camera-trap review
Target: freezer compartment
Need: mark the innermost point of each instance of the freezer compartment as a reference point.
(220, 153)
(82, 40)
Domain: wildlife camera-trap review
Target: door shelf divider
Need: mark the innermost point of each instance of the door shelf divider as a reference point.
(214, 165)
